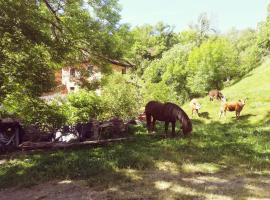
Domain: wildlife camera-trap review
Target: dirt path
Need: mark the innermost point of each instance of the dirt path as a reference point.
(150, 185)
(51, 190)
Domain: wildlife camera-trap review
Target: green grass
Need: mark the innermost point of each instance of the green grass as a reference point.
(218, 147)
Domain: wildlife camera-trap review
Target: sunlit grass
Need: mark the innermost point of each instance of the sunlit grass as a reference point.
(208, 168)
(218, 151)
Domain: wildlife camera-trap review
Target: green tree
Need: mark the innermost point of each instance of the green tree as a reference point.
(171, 69)
(38, 36)
(210, 65)
(203, 28)
(149, 42)
(249, 53)
(264, 34)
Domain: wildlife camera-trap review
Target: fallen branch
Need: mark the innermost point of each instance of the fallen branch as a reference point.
(52, 145)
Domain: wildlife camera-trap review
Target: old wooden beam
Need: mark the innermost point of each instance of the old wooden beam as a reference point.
(52, 145)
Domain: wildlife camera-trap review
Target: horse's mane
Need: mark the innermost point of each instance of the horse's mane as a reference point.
(181, 116)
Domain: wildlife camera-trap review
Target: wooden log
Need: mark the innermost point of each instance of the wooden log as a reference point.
(52, 145)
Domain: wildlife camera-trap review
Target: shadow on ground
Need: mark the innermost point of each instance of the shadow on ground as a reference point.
(227, 159)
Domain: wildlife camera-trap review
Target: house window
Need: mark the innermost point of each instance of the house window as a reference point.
(124, 71)
(72, 72)
(90, 69)
(72, 88)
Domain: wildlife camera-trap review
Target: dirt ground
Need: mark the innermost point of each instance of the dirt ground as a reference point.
(150, 185)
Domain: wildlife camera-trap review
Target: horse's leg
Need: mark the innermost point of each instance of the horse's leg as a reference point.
(148, 121)
(166, 128)
(154, 123)
(173, 129)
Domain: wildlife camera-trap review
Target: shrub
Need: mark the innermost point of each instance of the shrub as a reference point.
(30, 110)
(120, 97)
(159, 92)
(81, 106)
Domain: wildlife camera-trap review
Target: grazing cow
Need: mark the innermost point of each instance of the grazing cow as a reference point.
(195, 106)
(65, 134)
(232, 106)
(215, 94)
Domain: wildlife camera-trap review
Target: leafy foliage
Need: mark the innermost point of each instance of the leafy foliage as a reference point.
(264, 34)
(149, 42)
(36, 37)
(211, 64)
(33, 111)
(159, 92)
(171, 69)
(121, 98)
(81, 106)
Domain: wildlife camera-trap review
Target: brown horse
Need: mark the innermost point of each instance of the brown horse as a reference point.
(169, 113)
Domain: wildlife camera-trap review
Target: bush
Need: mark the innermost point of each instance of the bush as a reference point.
(120, 97)
(30, 110)
(159, 92)
(81, 106)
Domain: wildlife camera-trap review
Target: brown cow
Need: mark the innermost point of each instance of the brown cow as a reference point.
(195, 106)
(215, 94)
(232, 106)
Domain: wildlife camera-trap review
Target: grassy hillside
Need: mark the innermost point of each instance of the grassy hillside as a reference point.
(255, 86)
(223, 159)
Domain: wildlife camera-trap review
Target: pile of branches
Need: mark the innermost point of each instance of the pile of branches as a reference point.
(92, 133)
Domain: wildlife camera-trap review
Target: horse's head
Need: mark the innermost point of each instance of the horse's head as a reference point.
(186, 124)
(187, 129)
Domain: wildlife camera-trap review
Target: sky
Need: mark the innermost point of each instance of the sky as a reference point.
(223, 14)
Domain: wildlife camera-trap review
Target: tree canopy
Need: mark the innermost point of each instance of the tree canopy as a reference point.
(38, 36)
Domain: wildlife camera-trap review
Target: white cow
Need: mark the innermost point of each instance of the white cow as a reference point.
(195, 106)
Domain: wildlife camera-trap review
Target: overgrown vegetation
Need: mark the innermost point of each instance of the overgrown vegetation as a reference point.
(39, 37)
(169, 66)
(217, 149)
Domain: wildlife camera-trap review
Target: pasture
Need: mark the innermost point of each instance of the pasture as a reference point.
(223, 159)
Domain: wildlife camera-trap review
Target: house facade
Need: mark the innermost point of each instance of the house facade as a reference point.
(68, 79)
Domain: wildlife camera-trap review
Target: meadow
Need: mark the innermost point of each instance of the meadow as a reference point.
(223, 159)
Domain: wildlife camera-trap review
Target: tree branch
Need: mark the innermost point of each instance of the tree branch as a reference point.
(48, 5)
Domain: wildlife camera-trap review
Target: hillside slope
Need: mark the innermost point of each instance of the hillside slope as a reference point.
(255, 86)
